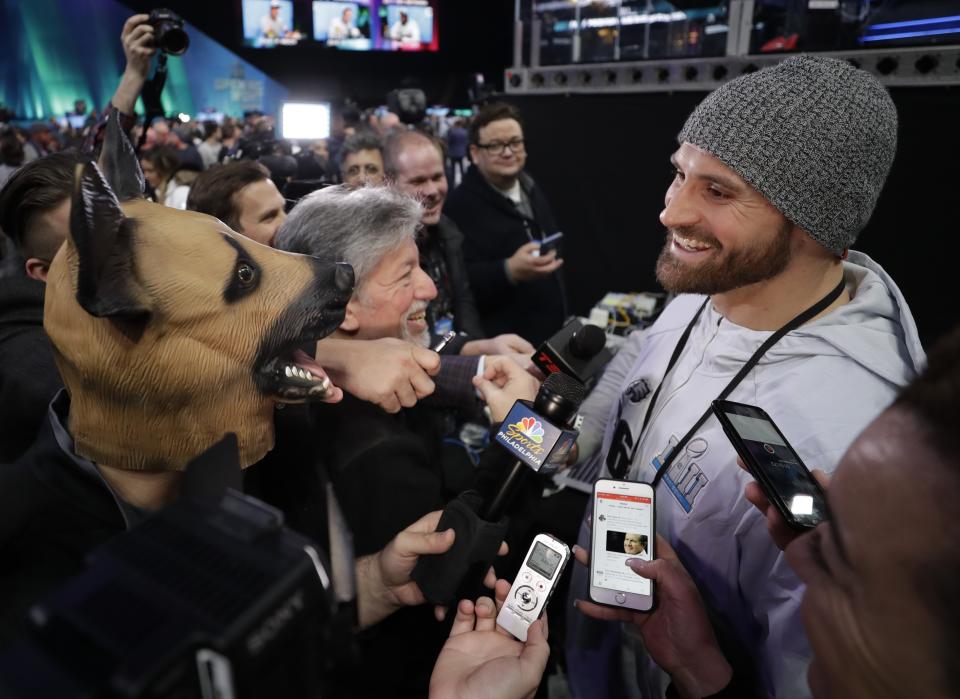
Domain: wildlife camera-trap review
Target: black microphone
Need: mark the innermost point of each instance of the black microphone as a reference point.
(587, 342)
(540, 443)
(538, 434)
(577, 350)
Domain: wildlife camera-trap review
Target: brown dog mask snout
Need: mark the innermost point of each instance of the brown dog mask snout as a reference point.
(163, 321)
(283, 367)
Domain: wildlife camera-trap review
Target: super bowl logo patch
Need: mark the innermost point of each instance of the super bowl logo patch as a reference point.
(637, 391)
(685, 479)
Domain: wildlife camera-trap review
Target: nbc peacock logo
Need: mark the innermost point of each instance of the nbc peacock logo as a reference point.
(531, 428)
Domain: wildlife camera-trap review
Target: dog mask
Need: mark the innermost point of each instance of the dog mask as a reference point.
(170, 330)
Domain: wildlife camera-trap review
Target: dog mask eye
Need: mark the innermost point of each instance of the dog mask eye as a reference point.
(246, 275)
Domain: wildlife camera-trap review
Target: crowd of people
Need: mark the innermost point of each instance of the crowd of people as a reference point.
(775, 175)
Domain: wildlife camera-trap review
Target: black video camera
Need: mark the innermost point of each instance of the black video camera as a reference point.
(207, 598)
(257, 145)
(168, 33)
(410, 104)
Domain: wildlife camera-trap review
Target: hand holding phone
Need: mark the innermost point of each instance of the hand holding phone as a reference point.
(548, 245)
(534, 584)
(676, 633)
(623, 527)
(781, 532)
(526, 263)
(780, 474)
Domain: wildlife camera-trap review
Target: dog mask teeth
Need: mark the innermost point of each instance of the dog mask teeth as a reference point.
(292, 371)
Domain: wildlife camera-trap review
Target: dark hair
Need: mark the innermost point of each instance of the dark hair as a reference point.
(164, 159)
(214, 191)
(34, 190)
(396, 143)
(209, 128)
(495, 111)
(933, 399)
(228, 130)
(11, 150)
(364, 139)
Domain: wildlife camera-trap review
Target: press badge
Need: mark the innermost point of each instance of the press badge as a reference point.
(442, 326)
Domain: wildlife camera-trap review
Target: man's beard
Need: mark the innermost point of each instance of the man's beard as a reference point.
(421, 339)
(722, 272)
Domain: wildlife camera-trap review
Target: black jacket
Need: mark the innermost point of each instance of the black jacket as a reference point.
(28, 376)
(449, 240)
(52, 514)
(386, 472)
(493, 229)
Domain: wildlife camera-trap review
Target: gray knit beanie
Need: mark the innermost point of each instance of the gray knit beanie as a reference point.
(813, 135)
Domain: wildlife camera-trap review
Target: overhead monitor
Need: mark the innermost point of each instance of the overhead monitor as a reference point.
(270, 23)
(343, 25)
(406, 25)
(352, 25)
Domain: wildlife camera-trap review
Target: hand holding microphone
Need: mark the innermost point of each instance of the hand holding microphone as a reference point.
(539, 437)
(503, 383)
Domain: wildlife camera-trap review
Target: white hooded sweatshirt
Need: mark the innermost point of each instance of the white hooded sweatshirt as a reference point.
(822, 384)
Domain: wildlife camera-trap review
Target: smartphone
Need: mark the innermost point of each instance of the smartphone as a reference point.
(535, 582)
(773, 463)
(549, 244)
(623, 527)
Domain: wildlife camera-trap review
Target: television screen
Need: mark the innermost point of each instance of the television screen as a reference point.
(269, 23)
(407, 25)
(344, 25)
(353, 25)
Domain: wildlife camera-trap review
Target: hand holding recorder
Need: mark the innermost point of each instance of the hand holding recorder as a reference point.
(534, 585)
(482, 661)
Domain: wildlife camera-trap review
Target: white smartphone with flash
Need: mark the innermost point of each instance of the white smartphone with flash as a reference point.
(623, 527)
(534, 584)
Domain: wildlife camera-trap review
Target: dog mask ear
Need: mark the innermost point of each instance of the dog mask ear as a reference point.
(101, 235)
(119, 162)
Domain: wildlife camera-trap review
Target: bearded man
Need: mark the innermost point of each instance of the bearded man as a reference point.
(776, 174)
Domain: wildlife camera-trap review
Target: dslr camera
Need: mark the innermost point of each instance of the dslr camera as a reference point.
(169, 34)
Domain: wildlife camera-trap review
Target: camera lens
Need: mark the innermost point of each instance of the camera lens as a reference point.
(173, 40)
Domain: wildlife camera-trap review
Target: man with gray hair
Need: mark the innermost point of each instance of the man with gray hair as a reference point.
(776, 174)
(387, 470)
(372, 229)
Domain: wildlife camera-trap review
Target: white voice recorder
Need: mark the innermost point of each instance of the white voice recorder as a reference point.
(533, 585)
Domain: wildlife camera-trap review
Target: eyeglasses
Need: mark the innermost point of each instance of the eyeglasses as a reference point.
(514, 144)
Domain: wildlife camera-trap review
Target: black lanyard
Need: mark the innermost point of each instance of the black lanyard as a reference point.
(814, 310)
